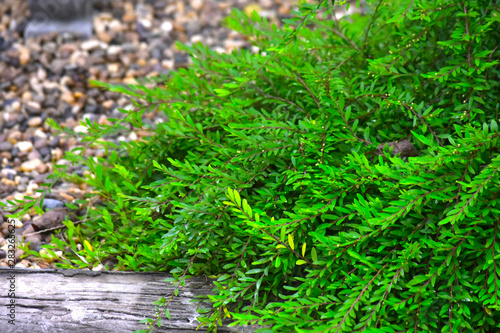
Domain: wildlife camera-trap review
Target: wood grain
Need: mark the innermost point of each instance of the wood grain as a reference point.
(82, 301)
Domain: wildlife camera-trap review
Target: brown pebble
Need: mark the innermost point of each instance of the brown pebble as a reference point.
(24, 56)
(37, 165)
(29, 230)
(50, 219)
(35, 122)
(15, 136)
(66, 197)
(18, 254)
(34, 241)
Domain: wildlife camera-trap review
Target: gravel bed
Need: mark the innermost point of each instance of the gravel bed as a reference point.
(48, 77)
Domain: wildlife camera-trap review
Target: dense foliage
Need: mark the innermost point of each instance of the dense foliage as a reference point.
(267, 175)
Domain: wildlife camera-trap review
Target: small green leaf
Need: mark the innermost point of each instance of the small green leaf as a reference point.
(237, 198)
(222, 92)
(167, 314)
(290, 241)
(314, 254)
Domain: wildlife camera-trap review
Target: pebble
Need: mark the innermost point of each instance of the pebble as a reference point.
(80, 129)
(35, 164)
(35, 242)
(14, 136)
(6, 146)
(34, 154)
(35, 122)
(15, 106)
(166, 27)
(6, 172)
(49, 204)
(114, 50)
(24, 56)
(33, 107)
(90, 45)
(24, 146)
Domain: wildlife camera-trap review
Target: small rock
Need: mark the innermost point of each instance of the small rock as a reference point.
(404, 147)
(29, 230)
(6, 172)
(233, 44)
(33, 108)
(34, 154)
(35, 122)
(68, 98)
(39, 133)
(14, 136)
(167, 27)
(20, 81)
(27, 96)
(6, 146)
(34, 241)
(40, 143)
(128, 17)
(57, 154)
(15, 106)
(36, 165)
(81, 129)
(41, 74)
(90, 45)
(67, 196)
(89, 108)
(114, 67)
(49, 204)
(66, 50)
(196, 4)
(114, 50)
(52, 218)
(99, 267)
(24, 146)
(50, 47)
(18, 254)
(284, 9)
(24, 56)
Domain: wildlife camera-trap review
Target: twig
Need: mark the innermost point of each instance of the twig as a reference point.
(423, 121)
(370, 25)
(310, 92)
(467, 32)
(341, 35)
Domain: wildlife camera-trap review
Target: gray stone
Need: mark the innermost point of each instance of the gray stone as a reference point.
(405, 148)
(35, 241)
(49, 204)
(6, 146)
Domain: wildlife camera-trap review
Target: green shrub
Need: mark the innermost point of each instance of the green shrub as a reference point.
(267, 174)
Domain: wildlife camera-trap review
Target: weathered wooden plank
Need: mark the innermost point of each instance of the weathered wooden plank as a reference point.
(85, 301)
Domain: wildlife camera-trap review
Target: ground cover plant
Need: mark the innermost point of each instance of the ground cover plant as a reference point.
(271, 175)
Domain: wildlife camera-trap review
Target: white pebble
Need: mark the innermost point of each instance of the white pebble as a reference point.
(166, 26)
(24, 146)
(81, 129)
(90, 45)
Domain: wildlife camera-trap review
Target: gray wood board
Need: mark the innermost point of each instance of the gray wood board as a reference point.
(83, 301)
